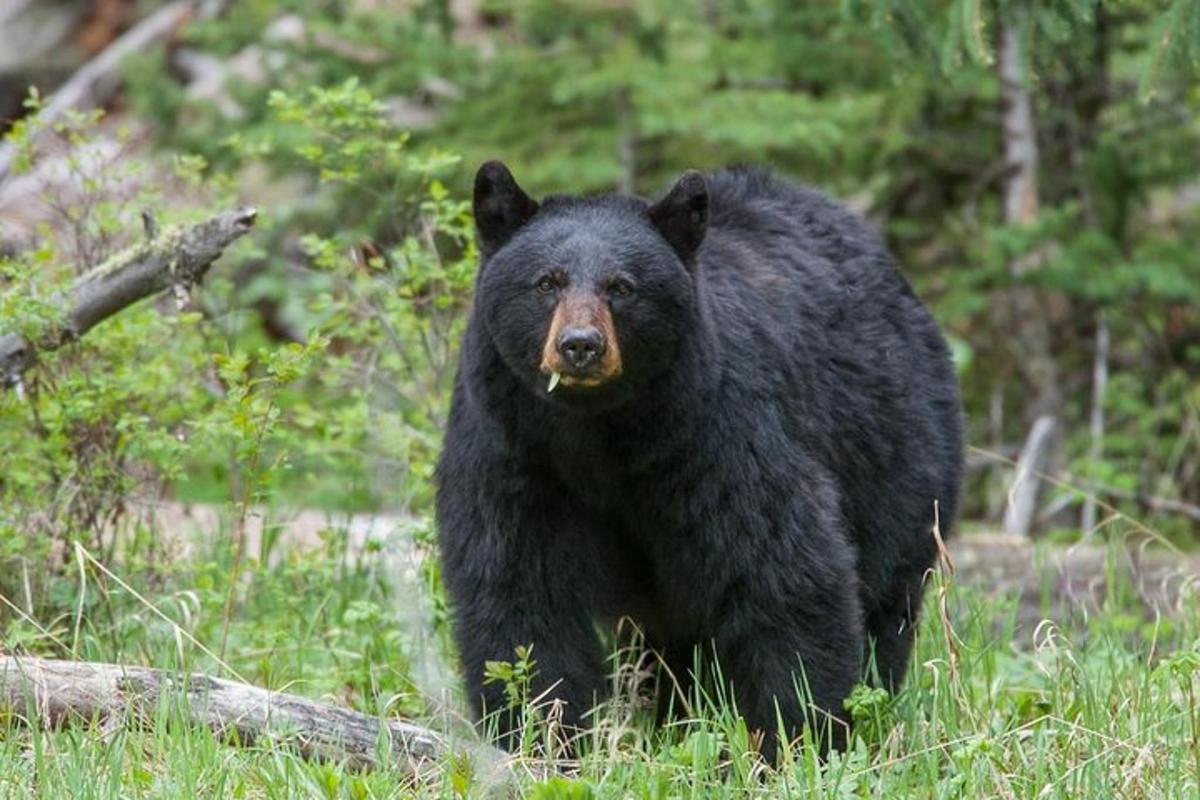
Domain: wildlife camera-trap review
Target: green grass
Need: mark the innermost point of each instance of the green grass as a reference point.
(1105, 708)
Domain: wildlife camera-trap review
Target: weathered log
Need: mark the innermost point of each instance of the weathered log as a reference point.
(60, 693)
(172, 258)
(1067, 583)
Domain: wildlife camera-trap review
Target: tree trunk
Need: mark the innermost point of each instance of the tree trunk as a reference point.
(1087, 519)
(1089, 91)
(1028, 323)
(626, 142)
(1020, 130)
(1025, 489)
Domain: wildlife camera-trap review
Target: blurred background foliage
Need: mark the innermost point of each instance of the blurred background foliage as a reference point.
(356, 125)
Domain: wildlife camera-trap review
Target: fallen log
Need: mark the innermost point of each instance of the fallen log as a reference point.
(1068, 583)
(175, 258)
(60, 693)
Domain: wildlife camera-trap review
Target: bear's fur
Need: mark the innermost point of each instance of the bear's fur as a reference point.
(747, 458)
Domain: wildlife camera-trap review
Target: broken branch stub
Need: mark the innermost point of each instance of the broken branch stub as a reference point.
(174, 257)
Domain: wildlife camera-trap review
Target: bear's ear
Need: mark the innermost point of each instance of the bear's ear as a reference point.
(501, 206)
(682, 216)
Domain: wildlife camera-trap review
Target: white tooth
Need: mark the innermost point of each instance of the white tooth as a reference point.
(554, 378)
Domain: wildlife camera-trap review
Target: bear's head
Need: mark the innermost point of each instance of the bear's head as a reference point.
(587, 299)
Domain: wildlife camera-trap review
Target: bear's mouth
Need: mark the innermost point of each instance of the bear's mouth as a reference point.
(575, 380)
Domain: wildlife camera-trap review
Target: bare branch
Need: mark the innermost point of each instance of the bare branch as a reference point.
(176, 257)
(1161, 505)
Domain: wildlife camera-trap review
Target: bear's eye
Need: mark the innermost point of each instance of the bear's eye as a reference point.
(546, 284)
(621, 287)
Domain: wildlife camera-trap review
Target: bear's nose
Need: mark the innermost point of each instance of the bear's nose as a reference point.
(581, 347)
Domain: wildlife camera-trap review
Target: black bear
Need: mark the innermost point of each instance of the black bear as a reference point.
(724, 415)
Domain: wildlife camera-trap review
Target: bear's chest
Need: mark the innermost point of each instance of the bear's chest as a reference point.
(642, 481)
(589, 470)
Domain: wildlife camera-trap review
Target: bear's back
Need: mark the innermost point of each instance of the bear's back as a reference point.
(750, 202)
(786, 244)
(809, 310)
(786, 261)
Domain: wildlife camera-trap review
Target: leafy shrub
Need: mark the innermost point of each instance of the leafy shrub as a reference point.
(205, 405)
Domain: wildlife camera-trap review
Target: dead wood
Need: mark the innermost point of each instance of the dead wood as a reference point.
(1067, 583)
(173, 258)
(1034, 463)
(61, 693)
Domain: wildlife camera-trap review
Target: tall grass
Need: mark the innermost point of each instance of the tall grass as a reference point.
(1103, 707)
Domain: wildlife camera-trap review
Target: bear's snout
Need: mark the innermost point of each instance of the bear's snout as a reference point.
(581, 348)
(581, 345)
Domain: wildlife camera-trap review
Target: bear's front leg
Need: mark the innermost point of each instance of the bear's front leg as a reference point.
(793, 659)
(511, 584)
(787, 623)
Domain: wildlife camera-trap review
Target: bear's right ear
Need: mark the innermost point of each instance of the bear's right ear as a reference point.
(501, 206)
(682, 216)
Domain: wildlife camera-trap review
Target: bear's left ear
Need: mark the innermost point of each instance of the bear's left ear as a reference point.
(501, 206)
(682, 216)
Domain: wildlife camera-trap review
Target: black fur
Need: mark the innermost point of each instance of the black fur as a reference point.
(761, 478)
